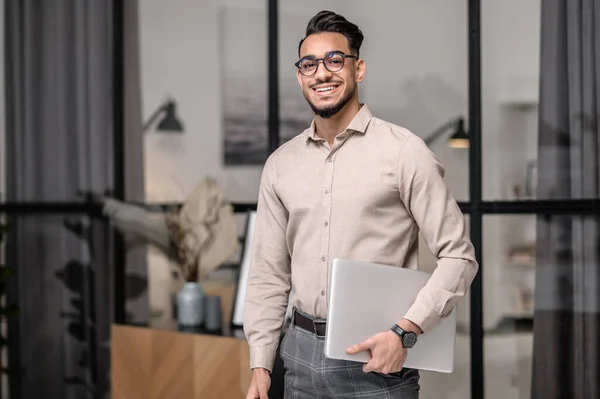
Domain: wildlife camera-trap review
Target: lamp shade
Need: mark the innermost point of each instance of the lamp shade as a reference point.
(169, 122)
(459, 139)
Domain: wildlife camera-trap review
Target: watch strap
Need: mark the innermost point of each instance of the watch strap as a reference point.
(408, 338)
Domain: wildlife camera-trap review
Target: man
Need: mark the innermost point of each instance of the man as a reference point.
(350, 186)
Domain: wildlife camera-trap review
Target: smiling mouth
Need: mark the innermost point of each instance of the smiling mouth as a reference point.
(325, 90)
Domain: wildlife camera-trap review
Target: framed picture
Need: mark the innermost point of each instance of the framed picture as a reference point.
(237, 318)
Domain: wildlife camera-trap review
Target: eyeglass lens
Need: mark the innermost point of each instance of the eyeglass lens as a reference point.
(333, 63)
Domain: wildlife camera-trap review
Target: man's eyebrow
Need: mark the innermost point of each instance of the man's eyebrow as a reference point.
(314, 56)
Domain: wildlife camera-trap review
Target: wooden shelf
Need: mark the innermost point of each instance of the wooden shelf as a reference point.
(152, 364)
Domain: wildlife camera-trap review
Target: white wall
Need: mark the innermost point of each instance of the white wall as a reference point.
(510, 69)
(179, 57)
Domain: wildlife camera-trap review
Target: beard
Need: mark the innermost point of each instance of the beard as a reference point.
(328, 111)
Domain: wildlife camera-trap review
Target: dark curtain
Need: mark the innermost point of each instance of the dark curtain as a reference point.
(137, 305)
(59, 108)
(566, 320)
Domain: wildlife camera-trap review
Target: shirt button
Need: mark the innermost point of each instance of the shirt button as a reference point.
(325, 224)
(329, 160)
(323, 258)
(326, 191)
(323, 293)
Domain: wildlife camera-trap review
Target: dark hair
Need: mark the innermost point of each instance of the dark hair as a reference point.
(328, 21)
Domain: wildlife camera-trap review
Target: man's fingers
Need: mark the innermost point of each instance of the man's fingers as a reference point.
(253, 392)
(363, 346)
(368, 367)
(263, 390)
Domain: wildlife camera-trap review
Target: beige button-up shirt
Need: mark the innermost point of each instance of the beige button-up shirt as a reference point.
(365, 198)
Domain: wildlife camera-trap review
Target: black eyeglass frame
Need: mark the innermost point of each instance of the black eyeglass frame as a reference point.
(316, 60)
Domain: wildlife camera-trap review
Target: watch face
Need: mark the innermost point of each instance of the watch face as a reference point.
(409, 340)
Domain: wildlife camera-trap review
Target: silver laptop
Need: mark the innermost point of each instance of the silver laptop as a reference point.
(368, 298)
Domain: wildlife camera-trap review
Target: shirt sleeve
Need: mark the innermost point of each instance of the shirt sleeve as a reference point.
(429, 202)
(269, 281)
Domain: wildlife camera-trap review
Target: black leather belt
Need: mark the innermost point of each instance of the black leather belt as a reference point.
(316, 327)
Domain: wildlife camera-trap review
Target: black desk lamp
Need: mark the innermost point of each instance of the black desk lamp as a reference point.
(169, 122)
(459, 138)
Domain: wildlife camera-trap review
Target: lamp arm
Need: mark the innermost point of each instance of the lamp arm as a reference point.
(441, 130)
(153, 117)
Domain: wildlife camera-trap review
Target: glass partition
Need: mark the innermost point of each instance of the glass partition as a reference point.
(455, 385)
(540, 304)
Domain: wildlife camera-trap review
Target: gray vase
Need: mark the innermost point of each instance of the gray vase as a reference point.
(190, 305)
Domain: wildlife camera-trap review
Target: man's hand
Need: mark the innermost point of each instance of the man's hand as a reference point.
(259, 385)
(387, 353)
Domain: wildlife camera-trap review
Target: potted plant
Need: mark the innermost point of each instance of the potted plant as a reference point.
(197, 238)
(190, 300)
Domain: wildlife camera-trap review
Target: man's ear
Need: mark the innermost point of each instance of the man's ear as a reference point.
(361, 70)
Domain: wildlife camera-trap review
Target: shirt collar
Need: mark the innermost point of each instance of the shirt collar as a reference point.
(357, 125)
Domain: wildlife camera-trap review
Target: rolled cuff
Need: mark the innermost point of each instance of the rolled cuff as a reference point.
(422, 316)
(263, 356)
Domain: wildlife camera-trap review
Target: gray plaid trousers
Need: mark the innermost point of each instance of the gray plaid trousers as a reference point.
(309, 374)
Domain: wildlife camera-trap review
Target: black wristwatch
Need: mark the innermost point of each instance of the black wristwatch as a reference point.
(408, 338)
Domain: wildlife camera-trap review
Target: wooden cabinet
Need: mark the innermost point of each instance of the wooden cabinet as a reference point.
(151, 364)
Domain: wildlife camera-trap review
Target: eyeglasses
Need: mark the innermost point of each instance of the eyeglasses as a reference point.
(333, 62)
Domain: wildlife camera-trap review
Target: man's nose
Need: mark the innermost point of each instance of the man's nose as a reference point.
(322, 72)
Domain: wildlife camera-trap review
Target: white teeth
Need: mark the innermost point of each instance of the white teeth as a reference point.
(320, 89)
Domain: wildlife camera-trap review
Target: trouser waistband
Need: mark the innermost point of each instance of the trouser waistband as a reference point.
(308, 324)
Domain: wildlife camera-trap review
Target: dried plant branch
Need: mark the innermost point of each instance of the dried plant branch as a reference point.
(189, 253)
(197, 237)
(188, 261)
